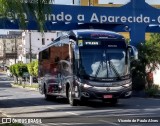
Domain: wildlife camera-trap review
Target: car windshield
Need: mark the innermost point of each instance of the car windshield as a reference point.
(103, 63)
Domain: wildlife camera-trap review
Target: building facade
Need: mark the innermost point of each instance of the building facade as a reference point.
(32, 42)
(9, 48)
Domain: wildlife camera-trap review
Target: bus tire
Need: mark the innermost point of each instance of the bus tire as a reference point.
(46, 96)
(71, 100)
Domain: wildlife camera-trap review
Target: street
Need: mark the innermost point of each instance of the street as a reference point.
(24, 103)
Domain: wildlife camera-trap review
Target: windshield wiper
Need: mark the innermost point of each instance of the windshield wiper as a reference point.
(98, 68)
(114, 69)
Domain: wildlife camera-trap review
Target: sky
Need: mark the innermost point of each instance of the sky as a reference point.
(69, 2)
(107, 1)
(126, 1)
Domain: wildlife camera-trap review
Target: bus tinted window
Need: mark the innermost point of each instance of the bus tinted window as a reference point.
(46, 54)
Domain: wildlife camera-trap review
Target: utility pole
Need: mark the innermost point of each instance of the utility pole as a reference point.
(30, 54)
(4, 53)
(30, 47)
(15, 55)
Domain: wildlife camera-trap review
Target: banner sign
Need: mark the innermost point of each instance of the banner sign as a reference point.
(136, 17)
(127, 14)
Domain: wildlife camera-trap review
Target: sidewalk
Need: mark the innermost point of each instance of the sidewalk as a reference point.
(144, 95)
(27, 85)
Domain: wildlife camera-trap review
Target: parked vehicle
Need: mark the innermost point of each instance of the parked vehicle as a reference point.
(85, 65)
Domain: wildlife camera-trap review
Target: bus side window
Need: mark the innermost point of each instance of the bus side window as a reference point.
(40, 56)
(56, 59)
(65, 52)
(46, 54)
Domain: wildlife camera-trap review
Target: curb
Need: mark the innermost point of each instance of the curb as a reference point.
(19, 86)
(157, 96)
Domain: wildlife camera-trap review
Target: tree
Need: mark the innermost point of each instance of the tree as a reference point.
(35, 68)
(18, 69)
(149, 59)
(30, 67)
(13, 71)
(35, 8)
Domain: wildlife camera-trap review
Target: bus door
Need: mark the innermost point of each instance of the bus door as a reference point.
(65, 74)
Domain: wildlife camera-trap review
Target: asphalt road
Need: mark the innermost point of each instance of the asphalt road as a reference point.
(19, 103)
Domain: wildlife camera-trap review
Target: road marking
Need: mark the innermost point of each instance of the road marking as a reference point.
(109, 122)
(72, 113)
(52, 108)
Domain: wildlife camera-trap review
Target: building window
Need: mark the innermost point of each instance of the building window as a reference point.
(43, 41)
(12, 41)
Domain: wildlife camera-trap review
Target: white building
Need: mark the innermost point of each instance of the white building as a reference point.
(8, 47)
(32, 42)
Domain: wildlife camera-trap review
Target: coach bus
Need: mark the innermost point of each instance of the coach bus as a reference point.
(87, 65)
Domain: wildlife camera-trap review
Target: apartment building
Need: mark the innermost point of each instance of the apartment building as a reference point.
(9, 48)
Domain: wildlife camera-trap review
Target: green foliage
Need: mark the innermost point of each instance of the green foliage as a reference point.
(35, 8)
(30, 68)
(18, 69)
(149, 57)
(36, 68)
(33, 68)
(149, 53)
(152, 91)
(12, 70)
(155, 37)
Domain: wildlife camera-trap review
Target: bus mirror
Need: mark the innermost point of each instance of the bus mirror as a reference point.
(72, 42)
(76, 52)
(133, 52)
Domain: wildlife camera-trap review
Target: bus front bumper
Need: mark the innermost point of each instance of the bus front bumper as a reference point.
(106, 93)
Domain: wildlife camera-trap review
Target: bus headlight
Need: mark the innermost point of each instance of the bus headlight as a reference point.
(126, 85)
(87, 86)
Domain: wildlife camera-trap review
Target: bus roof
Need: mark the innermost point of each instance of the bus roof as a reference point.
(87, 33)
(95, 33)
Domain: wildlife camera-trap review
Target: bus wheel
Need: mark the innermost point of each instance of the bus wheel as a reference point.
(71, 100)
(47, 97)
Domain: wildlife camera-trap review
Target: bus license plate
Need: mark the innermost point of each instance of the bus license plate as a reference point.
(107, 96)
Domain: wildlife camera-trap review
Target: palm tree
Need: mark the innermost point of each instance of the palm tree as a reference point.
(21, 7)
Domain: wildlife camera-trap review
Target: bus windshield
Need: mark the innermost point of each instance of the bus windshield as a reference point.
(103, 62)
